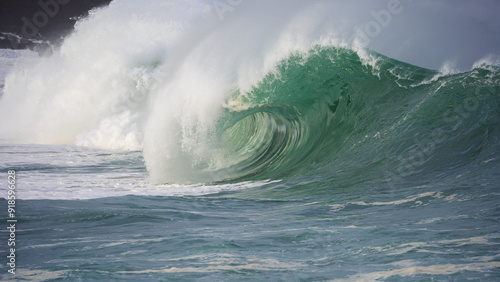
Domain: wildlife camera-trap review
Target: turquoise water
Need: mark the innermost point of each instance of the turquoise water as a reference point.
(329, 168)
(441, 234)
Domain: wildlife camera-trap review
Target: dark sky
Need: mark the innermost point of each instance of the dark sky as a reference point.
(40, 19)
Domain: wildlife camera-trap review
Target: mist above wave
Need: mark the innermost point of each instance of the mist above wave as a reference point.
(154, 75)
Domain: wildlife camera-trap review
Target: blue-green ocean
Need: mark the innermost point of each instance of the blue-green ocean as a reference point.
(322, 162)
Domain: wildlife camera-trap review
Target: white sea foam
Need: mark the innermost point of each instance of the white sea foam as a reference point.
(415, 199)
(439, 269)
(61, 172)
(7, 60)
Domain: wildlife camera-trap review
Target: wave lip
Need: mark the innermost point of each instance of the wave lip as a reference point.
(206, 104)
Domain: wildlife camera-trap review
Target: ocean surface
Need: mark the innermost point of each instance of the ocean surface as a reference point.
(255, 141)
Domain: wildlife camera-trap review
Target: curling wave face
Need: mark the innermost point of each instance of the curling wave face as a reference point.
(289, 98)
(328, 108)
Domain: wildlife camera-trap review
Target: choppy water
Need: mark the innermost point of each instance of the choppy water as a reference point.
(301, 228)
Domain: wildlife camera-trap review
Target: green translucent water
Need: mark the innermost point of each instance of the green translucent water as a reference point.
(376, 171)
